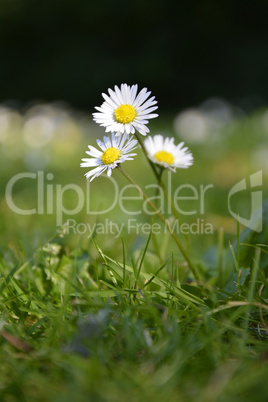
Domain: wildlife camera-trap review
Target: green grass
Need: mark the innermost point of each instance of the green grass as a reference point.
(85, 327)
(122, 319)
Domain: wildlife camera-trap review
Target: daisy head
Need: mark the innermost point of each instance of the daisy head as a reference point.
(125, 110)
(113, 152)
(166, 154)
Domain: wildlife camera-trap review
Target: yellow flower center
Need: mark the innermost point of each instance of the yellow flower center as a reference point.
(110, 155)
(164, 156)
(125, 113)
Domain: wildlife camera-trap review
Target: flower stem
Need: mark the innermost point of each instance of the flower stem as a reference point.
(163, 220)
(158, 175)
(156, 246)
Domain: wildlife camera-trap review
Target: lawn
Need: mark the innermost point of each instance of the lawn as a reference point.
(98, 306)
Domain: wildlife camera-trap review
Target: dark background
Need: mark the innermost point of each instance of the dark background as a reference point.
(183, 51)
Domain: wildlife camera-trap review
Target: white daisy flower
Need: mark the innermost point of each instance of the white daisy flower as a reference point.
(125, 111)
(165, 153)
(113, 151)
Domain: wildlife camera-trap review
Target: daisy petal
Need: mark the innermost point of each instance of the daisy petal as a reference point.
(115, 150)
(124, 107)
(165, 153)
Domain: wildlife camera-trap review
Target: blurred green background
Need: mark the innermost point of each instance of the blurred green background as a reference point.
(184, 51)
(205, 62)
